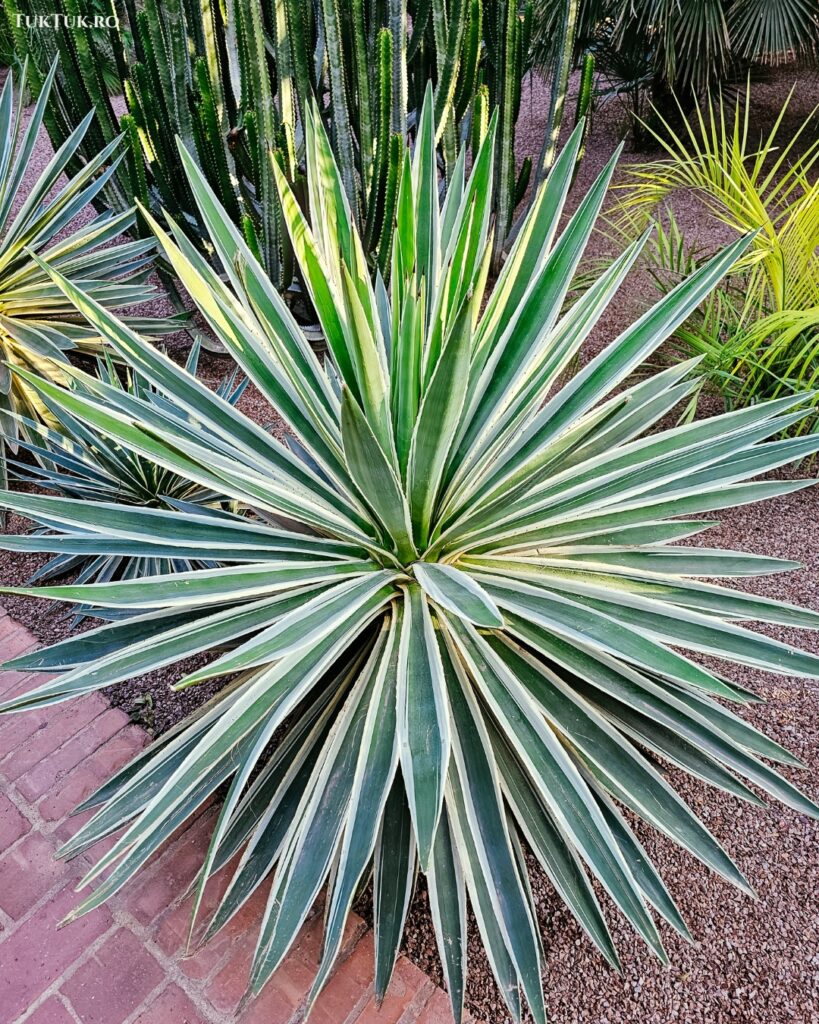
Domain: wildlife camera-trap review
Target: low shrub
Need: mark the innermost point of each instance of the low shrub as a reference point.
(758, 334)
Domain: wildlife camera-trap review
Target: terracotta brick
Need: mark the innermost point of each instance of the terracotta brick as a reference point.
(15, 640)
(281, 997)
(81, 781)
(408, 991)
(52, 769)
(171, 1007)
(37, 953)
(438, 1010)
(121, 957)
(172, 935)
(349, 989)
(51, 1012)
(13, 682)
(201, 962)
(12, 823)
(27, 873)
(79, 784)
(229, 986)
(239, 939)
(15, 729)
(59, 725)
(119, 750)
(308, 946)
(162, 884)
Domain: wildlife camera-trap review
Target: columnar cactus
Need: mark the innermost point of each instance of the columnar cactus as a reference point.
(234, 83)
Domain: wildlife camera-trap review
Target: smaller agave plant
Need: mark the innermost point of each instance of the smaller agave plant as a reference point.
(81, 463)
(39, 326)
(463, 618)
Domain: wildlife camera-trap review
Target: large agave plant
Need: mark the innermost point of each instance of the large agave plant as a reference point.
(38, 324)
(462, 614)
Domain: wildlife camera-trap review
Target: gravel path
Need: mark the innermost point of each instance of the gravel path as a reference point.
(754, 962)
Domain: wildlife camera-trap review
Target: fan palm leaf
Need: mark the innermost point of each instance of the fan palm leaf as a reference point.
(759, 335)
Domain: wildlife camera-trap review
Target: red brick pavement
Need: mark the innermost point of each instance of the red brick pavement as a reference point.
(125, 962)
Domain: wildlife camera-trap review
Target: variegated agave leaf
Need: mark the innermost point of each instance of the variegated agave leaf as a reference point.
(76, 461)
(39, 325)
(464, 601)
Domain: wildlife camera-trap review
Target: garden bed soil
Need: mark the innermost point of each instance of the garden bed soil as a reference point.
(753, 961)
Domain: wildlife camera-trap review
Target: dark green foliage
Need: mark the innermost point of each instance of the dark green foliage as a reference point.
(6, 44)
(648, 49)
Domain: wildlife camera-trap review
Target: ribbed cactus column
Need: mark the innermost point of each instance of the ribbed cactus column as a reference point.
(234, 79)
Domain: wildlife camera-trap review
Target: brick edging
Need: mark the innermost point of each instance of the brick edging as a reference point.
(125, 962)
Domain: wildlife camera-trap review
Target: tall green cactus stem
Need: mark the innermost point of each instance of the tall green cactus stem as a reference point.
(585, 97)
(250, 236)
(285, 156)
(212, 154)
(363, 106)
(256, 88)
(210, 27)
(342, 133)
(116, 40)
(420, 19)
(91, 67)
(449, 30)
(34, 75)
(181, 72)
(159, 64)
(377, 193)
(467, 81)
(505, 141)
(133, 159)
(560, 85)
(287, 94)
(297, 28)
(147, 113)
(397, 24)
(397, 149)
(480, 119)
